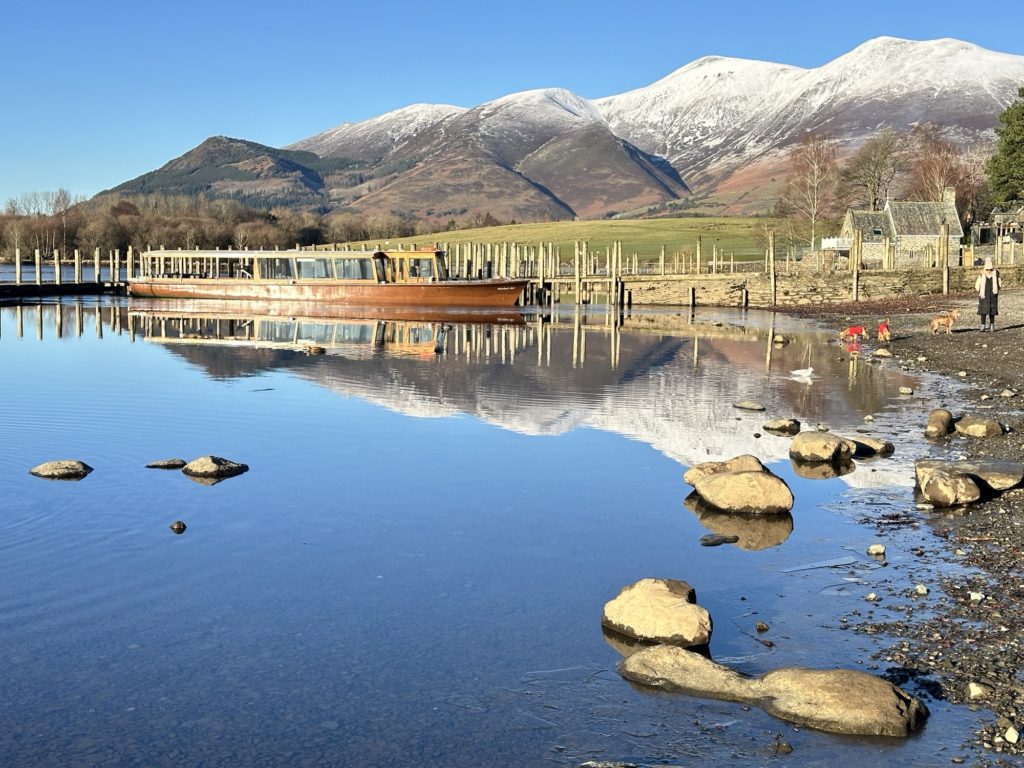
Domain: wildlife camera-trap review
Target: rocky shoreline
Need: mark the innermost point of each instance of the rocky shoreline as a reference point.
(964, 640)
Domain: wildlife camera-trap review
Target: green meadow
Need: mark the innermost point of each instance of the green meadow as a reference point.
(743, 237)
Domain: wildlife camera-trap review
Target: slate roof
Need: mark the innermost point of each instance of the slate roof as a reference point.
(909, 219)
(870, 221)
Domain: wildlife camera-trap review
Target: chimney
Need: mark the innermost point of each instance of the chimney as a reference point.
(948, 195)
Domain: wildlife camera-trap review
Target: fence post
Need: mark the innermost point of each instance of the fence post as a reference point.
(56, 267)
(944, 256)
(771, 264)
(39, 268)
(17, 266)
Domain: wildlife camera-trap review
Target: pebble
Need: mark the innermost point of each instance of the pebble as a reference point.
(717, 539)
(921, 590)
(1007, 393)
(976, 597)
(869, 417)
(906, 391)
(984, 397)
(761, 626)
(748, 405)
(883, 353)
(1011, 735)
(876, 550)
(871, 597)
(924, 506)
(178, 526)
(961, 374)
(922, 359)
(978, 690)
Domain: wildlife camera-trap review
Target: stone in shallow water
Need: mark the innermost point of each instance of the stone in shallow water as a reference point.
(746, 492)
(743, 463)
(834, 700)
(748, 405)
(820, 446)
(998, 474)
(62, 469)
(717, 539)
(659, 610)
(178, 526)
(782, 426)
(166, 464)
(978, 426)
(213, 468)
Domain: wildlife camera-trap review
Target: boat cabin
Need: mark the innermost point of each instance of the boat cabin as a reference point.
(378, 266)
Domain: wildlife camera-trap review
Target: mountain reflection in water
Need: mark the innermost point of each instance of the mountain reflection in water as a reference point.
(668, 379)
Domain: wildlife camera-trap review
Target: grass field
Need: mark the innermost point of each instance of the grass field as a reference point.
(742, 236)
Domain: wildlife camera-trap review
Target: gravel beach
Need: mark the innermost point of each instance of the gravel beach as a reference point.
(964, 641)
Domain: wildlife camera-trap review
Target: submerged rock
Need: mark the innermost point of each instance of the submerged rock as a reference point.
(166, 464)
(835, 700)
(62, 469)
(659, 610)
(748, 405)
(213, 468)
(178, 527)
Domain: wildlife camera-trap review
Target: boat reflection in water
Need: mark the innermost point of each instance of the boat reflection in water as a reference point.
(348, 332)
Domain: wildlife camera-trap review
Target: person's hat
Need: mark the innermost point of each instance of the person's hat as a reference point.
(988, 265)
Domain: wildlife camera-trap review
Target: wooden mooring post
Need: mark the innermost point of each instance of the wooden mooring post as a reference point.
(17, 266)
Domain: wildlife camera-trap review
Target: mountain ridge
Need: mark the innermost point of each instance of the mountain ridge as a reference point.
(715, 126)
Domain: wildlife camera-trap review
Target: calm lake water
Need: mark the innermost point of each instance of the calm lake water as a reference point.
(413, 570)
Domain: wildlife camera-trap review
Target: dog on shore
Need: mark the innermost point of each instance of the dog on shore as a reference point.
(853, 333)
(884, 334)
(945, 320)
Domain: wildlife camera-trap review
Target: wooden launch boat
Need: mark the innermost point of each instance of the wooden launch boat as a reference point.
(358, 278)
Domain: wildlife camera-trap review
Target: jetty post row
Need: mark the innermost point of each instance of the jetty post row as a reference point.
(598, 273)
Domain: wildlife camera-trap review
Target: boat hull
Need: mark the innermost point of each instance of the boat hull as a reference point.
(449, 293)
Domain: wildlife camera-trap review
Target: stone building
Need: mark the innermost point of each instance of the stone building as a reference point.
(907, 232)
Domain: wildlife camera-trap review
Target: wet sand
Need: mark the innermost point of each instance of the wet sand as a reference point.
(949, 638)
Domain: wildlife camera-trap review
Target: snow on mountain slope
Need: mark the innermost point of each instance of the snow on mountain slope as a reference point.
(378, 136)
(716, 114)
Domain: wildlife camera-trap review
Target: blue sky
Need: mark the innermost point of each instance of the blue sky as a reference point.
(97, 93)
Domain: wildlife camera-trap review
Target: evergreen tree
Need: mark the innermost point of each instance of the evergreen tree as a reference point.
(1006, 166)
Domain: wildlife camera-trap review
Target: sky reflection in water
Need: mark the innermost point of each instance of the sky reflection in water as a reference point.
(414, 568)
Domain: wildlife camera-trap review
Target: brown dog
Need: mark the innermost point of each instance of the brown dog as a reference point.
(945, 320)
(884, 334)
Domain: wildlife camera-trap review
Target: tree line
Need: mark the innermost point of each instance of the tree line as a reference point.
(57, 221)
(920, 165)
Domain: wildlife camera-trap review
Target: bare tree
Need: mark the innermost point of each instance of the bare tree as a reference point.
(935, 163)
(869, 175)
(811, 188)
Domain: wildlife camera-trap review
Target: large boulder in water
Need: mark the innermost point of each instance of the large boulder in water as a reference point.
(746, 492)
(659, 610)
(744, 463)
(62, 469)
(835, 700)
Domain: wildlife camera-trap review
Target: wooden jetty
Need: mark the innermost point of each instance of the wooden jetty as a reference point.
(608, 274)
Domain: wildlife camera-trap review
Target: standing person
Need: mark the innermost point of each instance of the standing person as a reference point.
(987, 286)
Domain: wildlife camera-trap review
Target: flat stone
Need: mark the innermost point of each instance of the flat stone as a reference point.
(835, 700)
(661, 611)
(213, 468)
(978, 426)
(906, 391)
(883, 353)
(748, 405)
(782, 426)
(62, 469)
(743, 463)
(167, 464)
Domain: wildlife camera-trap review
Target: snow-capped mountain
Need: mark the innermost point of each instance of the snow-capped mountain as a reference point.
(716, 115)
(721, 127)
